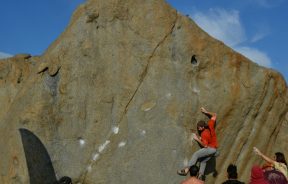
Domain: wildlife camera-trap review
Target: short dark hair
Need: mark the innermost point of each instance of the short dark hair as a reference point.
(280, 158)
(232, 171)
(194, 170)
(201, 123)
(65, 180)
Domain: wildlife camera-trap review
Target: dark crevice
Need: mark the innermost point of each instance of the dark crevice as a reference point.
(20, 78)
(54, 74)
(194, 60)
(43, 70)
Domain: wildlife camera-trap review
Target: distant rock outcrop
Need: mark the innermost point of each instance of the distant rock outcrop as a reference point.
(114, 97)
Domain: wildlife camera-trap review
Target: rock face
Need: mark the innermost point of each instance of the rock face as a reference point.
(113, 98)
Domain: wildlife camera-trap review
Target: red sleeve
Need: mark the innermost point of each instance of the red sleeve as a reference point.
(211, 122)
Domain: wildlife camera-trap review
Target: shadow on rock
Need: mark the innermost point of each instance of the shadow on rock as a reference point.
(38, 161)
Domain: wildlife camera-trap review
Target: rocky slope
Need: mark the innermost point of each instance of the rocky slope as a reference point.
(114, 97)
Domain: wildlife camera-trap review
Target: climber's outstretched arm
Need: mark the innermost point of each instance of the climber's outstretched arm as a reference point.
(207, 113)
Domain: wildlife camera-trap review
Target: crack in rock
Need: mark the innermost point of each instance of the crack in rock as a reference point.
(142, 77)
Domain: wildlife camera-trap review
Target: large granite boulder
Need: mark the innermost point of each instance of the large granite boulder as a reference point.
(113, 99)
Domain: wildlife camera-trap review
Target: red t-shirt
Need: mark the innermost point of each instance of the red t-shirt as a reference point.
(208, 136)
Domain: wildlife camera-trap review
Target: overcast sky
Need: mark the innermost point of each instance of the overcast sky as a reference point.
(256, 28)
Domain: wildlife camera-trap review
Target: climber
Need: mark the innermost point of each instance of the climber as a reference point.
(207, 141)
